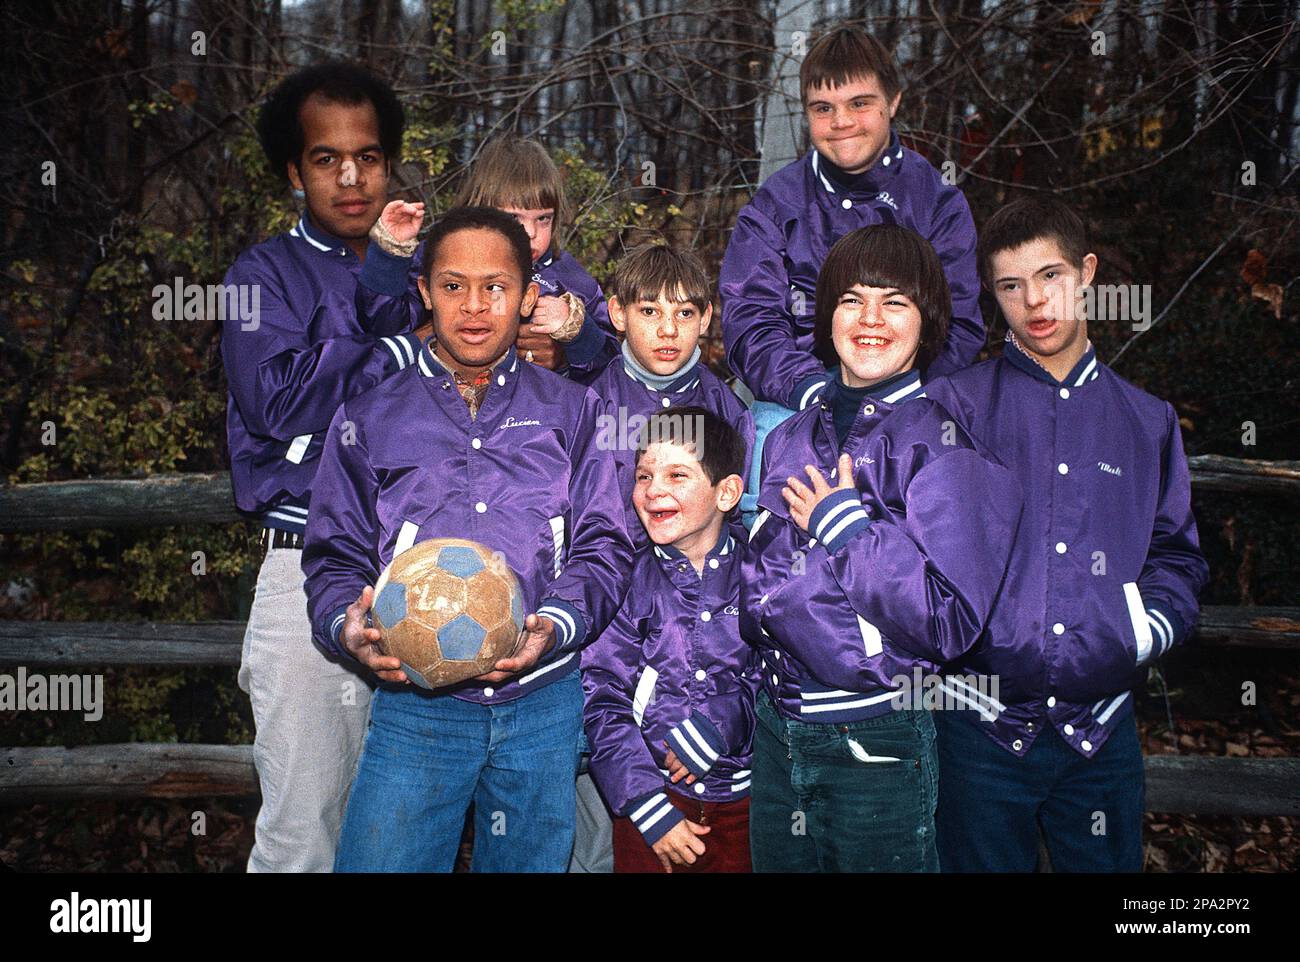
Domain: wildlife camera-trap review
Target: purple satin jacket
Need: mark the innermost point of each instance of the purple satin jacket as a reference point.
(1107, 564)
(327, 328)
(768, 280)
(899, 573)
(404, 463)
(589, 352)
(671, 670)
(627, 401)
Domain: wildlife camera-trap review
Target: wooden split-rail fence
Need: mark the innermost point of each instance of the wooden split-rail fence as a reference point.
(1191, 785)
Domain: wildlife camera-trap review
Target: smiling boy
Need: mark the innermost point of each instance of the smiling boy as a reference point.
(670, 684)
(880, 546)
(1107, 571)
(471, 442)
(856, 175)
(660, 302)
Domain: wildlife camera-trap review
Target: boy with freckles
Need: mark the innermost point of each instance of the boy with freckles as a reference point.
(670, 684)
(660, 301)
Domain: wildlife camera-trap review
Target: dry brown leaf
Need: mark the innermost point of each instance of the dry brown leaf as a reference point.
(113, 43)
(185, 92)
(1255, 268)
(1082, 14)
(1272, 293)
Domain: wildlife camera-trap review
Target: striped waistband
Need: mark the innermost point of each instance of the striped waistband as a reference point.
(820, 704)
(279, 538)
(286, 517)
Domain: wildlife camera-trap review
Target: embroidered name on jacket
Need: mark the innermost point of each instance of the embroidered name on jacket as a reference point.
(884, 197)
(547, 285)
(1110, 469)
(510, 422)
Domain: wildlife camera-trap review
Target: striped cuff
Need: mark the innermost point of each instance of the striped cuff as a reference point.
(653, 816)
(838, 519)
(385, 273)
(402, 350)
(697, 743)
(570, 629)
(1166, 629)
(334, 627)
(808, 391)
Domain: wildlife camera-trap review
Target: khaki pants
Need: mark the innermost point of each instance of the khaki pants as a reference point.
(311, 716)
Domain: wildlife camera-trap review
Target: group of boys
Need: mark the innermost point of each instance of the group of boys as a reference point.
(721, 603)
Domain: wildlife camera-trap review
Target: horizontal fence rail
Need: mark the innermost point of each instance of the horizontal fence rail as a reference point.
(166, 499)
(160, 499)
(126, 772)
(219, 643)
(1182, 784)
(168, 643)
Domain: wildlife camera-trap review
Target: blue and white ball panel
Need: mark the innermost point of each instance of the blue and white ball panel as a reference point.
(390, 604)
(460, 561)
(517, 609)
(416, 677)
(461, 639)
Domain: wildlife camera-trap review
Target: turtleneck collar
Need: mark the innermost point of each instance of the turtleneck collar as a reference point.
(658, 382)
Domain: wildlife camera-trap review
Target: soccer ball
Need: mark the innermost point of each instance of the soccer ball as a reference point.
(449, 609)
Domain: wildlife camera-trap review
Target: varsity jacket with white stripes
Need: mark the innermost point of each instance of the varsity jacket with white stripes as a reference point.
(1106, 567)
(671, 671)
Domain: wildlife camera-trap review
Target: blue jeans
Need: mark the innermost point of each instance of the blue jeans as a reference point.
(766, 416)
(993, 804)
(816, 806)
(426, 757)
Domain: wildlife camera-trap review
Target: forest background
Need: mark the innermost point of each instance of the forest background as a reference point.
(130, 160)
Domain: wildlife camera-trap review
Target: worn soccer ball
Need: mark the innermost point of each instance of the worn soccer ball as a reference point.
(449, 609)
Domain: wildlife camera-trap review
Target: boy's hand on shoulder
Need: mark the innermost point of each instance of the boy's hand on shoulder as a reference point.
(803, 500)
(537, 638)
(362, 642)
(676, 769)
(550, 314)
(681, 844)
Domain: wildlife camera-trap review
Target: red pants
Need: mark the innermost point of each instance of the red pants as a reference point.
(726, 847)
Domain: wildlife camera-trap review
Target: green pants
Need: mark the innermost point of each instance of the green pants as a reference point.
(823, 799)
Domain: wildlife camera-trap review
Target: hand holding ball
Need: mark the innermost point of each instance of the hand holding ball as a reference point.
(448, 610)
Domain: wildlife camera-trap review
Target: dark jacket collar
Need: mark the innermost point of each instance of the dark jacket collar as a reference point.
(839, 181)
(1082, 372)
(433, 366)
(892, 390)
(725, 546)
(316, 237)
